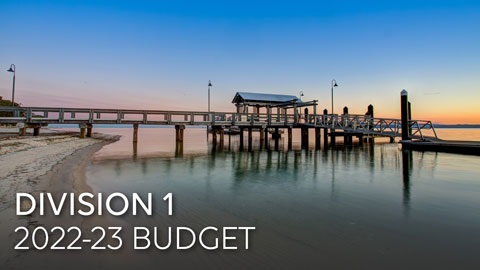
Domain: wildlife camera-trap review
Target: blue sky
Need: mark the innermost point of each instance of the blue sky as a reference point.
(161, 54)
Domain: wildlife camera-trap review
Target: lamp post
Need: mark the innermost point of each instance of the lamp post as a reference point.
(209, 85)
(300, 94)
(334, 84)
(12, 69)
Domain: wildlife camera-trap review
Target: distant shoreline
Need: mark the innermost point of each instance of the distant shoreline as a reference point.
(456, 126)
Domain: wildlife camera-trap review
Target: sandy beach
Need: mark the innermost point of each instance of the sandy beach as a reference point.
(53, 162)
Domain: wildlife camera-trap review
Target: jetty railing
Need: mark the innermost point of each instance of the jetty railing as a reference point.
(353, 123)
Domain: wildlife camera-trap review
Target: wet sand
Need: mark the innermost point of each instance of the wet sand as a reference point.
(55, 163)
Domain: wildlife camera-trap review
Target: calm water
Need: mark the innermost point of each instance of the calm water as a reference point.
(370, 206)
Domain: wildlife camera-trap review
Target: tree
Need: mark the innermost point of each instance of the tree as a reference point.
(7, 103)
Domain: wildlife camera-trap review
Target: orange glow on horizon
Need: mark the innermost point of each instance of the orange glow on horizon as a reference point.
(439, 112)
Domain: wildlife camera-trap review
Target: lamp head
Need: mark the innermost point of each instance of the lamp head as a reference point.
(209, 83)
(334, 83)
(12, 68)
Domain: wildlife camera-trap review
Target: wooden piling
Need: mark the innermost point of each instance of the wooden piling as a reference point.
(250, 139)
(135, 133)
(304, 137)
(222, 136)
(82, 133)
(229, 139)
(241, 139)
(89, 130)
(179, 133)
(135, 149)
(325, 132)
(277, 137)
(22, 129)
(262, 137)
(347, 139)
(325, 138)
(317, 138)
(36, 130)
(332, 137)
(290, 136)
(266, 138)
(179, 148)
(214, 135)
(83, 128)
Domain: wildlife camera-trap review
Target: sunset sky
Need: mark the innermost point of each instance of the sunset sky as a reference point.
(161, 54)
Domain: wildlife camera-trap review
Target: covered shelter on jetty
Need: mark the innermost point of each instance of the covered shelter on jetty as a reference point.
(282, 103)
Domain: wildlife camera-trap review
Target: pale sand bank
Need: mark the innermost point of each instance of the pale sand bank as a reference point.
(52, 163)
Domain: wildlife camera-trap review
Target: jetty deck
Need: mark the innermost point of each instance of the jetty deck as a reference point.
(346, 125)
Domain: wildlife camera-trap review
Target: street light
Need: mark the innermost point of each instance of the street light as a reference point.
(209, 85)
(300, 94)
(12, 69)
(334, 84)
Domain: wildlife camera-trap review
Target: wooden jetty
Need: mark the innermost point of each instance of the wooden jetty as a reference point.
(271, 114)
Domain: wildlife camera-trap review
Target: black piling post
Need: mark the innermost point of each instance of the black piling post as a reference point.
(409, 118)
(404, 114)
(317, 138)
(371, 114)
(277, 137)
(304, 137)
(179, 133)
(214, 135)
(325, 132)
(289, 138)
(370, 110)
(36, 131)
